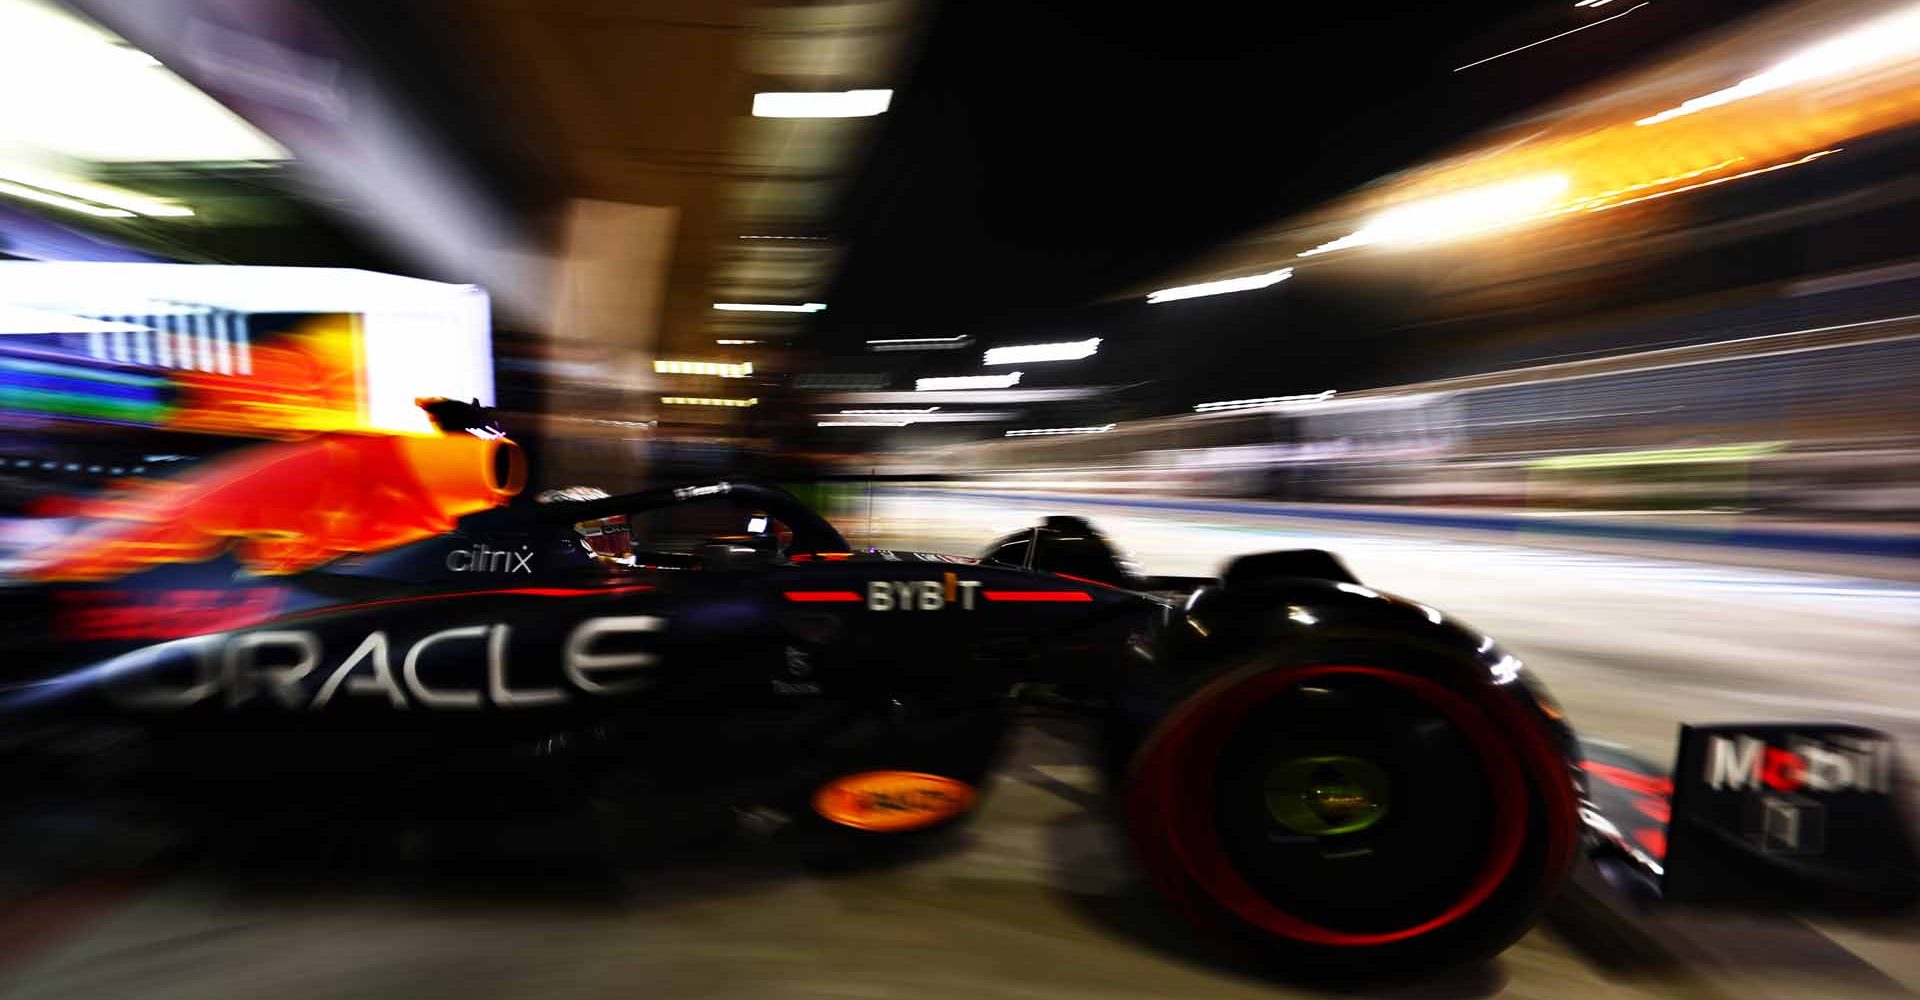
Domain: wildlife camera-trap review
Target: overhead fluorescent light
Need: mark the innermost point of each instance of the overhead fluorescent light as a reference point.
(1222, 287)
(920, 343)
(863, 423)
(942, 417)
(1554, 37)
(21, 319)
(720, 369)
(1007, 381)
(974, 396)
(809, 239)
(61, 201)
(77, 91)
(99, 194)
(1450, 216)
(706, 401)
(1873, 44)
(1247, 404)
(883, 413)
(1742, 175)
(821, 104)
(130, 289)
(736, 343)
(839, 381)
(1072, 350)
(769, 307)
(1044, 431)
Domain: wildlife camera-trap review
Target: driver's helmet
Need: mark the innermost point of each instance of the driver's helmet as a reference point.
(609, 538)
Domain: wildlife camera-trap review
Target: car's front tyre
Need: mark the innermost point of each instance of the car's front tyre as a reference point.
(1365, 810)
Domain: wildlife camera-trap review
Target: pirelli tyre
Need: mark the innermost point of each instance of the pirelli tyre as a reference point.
(1355, 810)
(896, 784)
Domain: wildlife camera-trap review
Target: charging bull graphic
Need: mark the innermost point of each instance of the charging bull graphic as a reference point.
(290, 507)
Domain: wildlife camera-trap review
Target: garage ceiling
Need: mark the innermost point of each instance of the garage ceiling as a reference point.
(649, 103)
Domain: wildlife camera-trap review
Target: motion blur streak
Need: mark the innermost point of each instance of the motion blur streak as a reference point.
(920, 343)
(82, 95)
(805, 307)
(1597, 150)
(719, 368)
(1809, 158)
(1550, 38)
(1041, 431)
(1865, 48)
(1222, 287)
(1007, 381)
(844, 104)
(100, 193)
(59, 201)
(1072, 350)
(708, 401)
(362, 493)
(1465, 213)
(1247, 404)
(1584, 336)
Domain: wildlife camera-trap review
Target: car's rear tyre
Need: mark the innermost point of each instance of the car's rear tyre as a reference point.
(1353, 816)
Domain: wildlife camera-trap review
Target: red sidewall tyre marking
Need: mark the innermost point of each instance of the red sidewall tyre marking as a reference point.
(1170, 798)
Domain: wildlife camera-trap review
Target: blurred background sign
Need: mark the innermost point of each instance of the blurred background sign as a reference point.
(242, 351)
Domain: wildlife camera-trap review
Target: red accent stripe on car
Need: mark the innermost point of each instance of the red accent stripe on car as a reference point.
(822, 596)
(1658, 810)
(515, 591)
(1082, 579)
(1632, 781)
(1049, 596)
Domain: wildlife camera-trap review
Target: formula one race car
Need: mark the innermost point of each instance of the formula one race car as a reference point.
(1309, 769)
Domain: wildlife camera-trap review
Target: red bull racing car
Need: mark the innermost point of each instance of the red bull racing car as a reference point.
(1309, 769)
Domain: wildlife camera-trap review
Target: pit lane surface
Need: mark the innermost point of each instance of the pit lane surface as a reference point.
(1036, 898)
(1633, 645)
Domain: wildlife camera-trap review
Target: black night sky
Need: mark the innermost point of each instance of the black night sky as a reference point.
(1043, 156)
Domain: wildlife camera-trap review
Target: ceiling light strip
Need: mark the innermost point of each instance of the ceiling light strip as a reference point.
(1072, 350)
(720, 369)
(707, 401)
(1245, 404)
(1007, 381)
(25, 193)
(770, 307)
(100, 194)
(1046, 431)
(821, 104)
(1222, 287)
